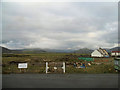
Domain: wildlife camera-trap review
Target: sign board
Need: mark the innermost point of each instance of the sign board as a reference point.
(55, 68)
(22, 65)
(86, 58)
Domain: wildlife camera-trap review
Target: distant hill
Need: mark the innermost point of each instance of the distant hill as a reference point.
(59, 50)
(23, 51)
(89, 51)
(115, 49)
(5, 50)
(35, 51)
(112, 49)
(84, 51)
(38, 50)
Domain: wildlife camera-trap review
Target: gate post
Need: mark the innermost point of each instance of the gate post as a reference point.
(47, 67)
(63, 67)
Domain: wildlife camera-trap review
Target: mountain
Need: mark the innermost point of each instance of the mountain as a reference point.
(5, 50)
(84, 51)
(38, 50)
(59, 51)
(89, 51)
(35, 51)
(23, 51)
(115, 49)
(112, 49)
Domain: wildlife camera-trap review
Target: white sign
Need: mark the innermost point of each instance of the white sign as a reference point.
(22, 65)
(55, 68)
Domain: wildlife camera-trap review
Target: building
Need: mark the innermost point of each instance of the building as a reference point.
(115, 53)
(100, 53)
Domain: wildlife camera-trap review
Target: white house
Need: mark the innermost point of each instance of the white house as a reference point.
(115, 53)
(100, 53)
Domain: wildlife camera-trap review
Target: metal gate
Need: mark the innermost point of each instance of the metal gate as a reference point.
(55, 67)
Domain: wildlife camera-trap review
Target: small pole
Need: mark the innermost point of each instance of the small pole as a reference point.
(63, 67)
(47, 67)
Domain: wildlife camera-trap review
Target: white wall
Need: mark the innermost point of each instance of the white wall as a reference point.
(96, 54)
(113, 54)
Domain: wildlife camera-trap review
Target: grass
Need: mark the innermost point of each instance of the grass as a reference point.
(93, 69)
(36, 63)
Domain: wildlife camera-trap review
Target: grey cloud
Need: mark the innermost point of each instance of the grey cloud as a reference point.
(59, 25)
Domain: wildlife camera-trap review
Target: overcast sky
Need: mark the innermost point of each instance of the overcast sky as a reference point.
(59, 25)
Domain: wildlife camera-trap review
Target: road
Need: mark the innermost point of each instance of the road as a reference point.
(60, 81)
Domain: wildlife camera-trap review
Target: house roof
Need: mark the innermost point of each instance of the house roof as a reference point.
(115, 51)
(103, 51)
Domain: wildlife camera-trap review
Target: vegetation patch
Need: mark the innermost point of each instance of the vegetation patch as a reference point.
(36, 63)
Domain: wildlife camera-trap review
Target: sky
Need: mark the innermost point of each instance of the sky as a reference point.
(59, 25)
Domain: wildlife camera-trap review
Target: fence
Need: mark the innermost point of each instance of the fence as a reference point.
(41, 67)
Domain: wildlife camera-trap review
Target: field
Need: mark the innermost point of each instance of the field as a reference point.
(36, 63)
